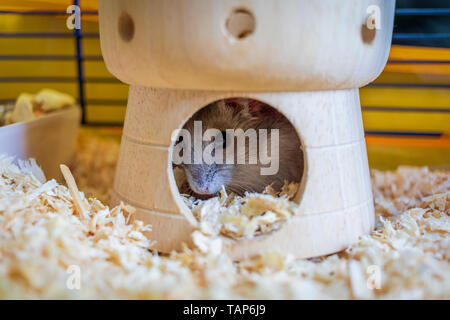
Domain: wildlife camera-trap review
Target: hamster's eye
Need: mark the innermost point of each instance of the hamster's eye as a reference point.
(224, 139)
(180, 140)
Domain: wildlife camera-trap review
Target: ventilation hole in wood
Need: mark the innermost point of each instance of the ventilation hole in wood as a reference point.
(240, 24)
(126, 27)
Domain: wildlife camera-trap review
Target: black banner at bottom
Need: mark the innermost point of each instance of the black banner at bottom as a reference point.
(220, 309)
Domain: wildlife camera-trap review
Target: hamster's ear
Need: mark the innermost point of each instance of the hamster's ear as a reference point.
(256, 107)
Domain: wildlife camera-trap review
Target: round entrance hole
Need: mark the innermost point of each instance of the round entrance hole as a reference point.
(240, 24)
(241, 159)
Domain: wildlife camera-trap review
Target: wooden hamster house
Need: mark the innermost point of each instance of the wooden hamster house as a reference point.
(306, 59)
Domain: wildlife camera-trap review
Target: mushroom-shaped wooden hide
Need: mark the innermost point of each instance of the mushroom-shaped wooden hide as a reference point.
(304, 58)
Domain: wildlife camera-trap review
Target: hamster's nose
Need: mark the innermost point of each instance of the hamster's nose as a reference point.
(202, 190)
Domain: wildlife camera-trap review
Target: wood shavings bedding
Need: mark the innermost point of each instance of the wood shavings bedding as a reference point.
(45, 243)
(239, 217)
(94, 163)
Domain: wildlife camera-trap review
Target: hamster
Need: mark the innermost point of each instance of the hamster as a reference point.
(207, 179)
